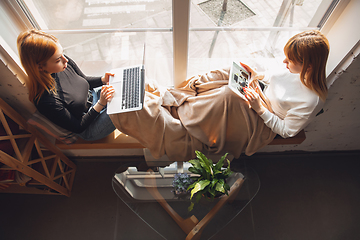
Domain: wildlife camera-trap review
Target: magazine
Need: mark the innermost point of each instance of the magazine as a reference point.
(238, 79)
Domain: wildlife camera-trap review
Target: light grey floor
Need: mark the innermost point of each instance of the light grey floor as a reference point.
(302, 196)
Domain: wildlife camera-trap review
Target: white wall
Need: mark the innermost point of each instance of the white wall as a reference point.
(10, 24)
(338, 128)
(11, 89)
(344, 34)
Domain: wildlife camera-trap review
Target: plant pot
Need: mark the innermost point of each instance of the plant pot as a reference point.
(208, 196)
(181, 195)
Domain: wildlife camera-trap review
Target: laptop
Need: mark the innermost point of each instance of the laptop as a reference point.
(238, 79)
(129, 86)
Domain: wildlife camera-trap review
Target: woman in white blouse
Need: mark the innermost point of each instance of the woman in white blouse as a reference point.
(297, 95)
(205, 114)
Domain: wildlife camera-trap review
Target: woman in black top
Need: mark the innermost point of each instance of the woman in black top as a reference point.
(59, 89)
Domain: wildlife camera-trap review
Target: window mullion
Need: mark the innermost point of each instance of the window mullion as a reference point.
(181, 20)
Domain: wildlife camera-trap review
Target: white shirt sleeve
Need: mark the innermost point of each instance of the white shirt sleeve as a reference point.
(292, 124)
(294, 105)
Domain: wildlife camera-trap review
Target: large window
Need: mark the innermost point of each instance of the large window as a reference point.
(246, 30)
(202, 34)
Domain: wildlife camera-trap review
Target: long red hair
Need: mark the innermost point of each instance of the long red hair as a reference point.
(311, 49)
(35, 49)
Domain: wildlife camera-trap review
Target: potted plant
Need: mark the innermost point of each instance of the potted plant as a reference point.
(211, 181)
(181, 182)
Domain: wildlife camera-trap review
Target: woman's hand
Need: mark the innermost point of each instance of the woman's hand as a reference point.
(253, 74)
(105, 79)
(254, 100)
(106, 94)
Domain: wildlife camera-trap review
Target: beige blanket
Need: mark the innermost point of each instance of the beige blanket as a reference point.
(203, 114)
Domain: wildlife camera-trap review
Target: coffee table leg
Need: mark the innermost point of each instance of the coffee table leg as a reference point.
(186, 225)
(197, 230)
(191, 225)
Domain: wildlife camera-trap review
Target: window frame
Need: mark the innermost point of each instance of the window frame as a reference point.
(181, 28)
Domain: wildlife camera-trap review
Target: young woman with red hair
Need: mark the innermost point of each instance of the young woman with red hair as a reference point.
(296, 94)
(59, 89)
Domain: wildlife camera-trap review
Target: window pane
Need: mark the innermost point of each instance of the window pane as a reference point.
(97, 53)
(250, 13)
(209, 50)
(217, 48)
(100, 14)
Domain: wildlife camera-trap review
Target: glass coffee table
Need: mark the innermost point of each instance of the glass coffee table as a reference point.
(149, 194)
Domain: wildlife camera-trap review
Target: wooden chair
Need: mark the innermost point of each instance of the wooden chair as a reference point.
(36, 157)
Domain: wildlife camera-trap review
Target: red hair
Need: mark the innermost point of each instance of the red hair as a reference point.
(35, 49)
(311, 49)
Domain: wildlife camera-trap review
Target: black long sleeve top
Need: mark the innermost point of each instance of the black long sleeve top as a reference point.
(67, 107)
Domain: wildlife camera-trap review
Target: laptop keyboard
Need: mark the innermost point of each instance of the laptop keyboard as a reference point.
(131, 88)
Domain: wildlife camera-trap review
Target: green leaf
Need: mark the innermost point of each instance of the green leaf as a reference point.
(199, 186)
(228, 171)
(191, 207)
(205, 168)
(204, 161)
(213, 182)
(212, 191)
(191, 186)
(227, 187)
(220, 163)
(195, 170)
(195, 163)
(220, 186)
